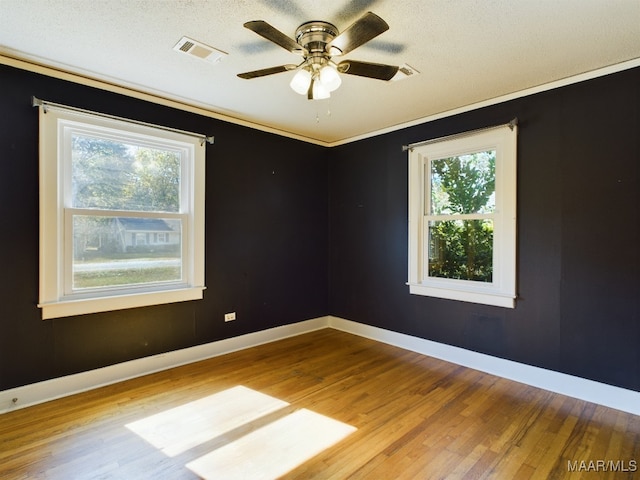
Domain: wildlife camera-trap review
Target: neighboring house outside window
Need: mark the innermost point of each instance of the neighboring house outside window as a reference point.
(122, 214)
(462, 217)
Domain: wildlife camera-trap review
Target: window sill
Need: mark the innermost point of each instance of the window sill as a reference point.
(485, 298)
(66, 308)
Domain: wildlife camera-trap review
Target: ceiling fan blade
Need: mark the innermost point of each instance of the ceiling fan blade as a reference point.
(366, 69)
(274, 35)
(358, 33)
(267, 71)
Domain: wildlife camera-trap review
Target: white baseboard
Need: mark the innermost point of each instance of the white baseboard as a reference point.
(576, 387)
(588, 390)
(40, 392)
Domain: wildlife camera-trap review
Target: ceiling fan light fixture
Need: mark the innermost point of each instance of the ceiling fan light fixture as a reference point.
(319, 91)
(317, 41)
(330, 78)
(301, 81)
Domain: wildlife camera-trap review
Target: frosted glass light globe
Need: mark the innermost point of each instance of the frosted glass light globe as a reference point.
(319, 91)
(301, 81)
(330, 78)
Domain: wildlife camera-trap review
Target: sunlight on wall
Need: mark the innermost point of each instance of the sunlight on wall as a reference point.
(241, 445)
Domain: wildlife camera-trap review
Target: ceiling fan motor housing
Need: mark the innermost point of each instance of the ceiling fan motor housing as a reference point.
(314, 37)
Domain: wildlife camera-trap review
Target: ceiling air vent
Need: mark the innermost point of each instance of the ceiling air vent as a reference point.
(199, 50)
(404, 71)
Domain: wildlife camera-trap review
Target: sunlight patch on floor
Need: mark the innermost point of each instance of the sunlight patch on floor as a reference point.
(273, 450)
(240, 433)
(181, 428)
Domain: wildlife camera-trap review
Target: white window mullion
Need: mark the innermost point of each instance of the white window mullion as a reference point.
(415, 220)
(471, 216)
(125, 213)
(67, 257)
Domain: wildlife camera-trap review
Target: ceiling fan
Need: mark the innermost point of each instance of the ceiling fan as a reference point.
(318, 42)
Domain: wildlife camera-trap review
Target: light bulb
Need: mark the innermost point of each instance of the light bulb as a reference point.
(319, 91)
(330, 78)
(301, 81)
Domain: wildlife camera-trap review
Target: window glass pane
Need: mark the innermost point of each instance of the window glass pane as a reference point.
(114, 175)
(463, 184)
(461, 249)
(119, 251)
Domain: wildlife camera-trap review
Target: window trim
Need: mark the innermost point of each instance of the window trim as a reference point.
(501, 291)
(53, 300)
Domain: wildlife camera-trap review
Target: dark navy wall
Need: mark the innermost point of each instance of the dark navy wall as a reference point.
(266, 240)
(578, 310)
(295, 231)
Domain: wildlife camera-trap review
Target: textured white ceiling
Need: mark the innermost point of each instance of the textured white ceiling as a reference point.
(468, 51)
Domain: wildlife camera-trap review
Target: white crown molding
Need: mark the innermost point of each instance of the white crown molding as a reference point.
(12, 59)
(600, 72)
(133, 91)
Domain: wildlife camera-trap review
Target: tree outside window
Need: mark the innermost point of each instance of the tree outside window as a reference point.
(462, 248)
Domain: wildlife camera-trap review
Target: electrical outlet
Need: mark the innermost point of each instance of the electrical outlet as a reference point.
(229, 316)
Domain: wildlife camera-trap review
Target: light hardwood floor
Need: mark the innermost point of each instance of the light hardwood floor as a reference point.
(327, 405)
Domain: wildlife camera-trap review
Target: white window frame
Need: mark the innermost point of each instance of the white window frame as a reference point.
(501, 291)
(55, 298)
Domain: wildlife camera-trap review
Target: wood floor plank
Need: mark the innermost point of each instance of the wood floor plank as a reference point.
(412, 416)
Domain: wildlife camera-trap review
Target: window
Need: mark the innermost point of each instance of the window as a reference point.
(462, 217)
(121, 214)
